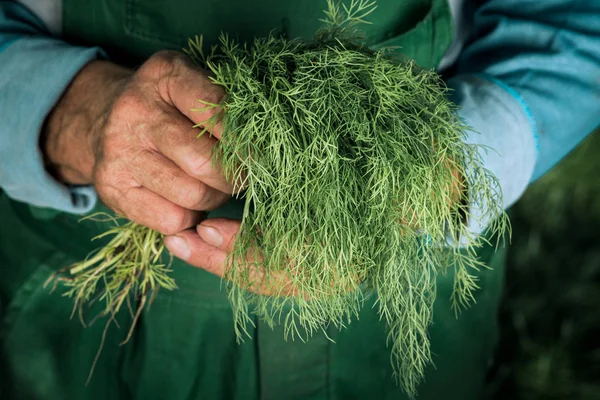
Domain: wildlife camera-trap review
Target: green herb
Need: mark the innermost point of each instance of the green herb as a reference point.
(349, 159)
(128, 268)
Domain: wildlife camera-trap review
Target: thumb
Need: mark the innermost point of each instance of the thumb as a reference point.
(219, 232)
(207, 246)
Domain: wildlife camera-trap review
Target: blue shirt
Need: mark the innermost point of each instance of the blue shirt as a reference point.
(527, 82)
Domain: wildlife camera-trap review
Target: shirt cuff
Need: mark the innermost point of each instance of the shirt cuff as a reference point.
(501, 125)
(34, 73)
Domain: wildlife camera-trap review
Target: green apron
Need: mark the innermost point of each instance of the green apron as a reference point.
(184, 346)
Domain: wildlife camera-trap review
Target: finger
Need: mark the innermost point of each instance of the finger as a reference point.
(195, 250)
(189, 247)
(149, 209)
(208, 246)
(181, 144)
(163, 177)
(189, 89)
(219, 232)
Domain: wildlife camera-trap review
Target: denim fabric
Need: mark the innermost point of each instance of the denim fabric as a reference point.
(35, 69)
(528, 83)
(548, 53)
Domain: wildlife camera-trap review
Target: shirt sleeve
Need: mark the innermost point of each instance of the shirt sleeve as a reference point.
(35, 69)
(528, 84)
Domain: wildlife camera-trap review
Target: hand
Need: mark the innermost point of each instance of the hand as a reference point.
(131, 135)
(208, 246)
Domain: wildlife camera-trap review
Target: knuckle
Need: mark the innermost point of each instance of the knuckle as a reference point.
(165, 63)
(167, 229)
(211, 263)
(222, 199)
(199, 167)
(172, 223)
(168, 56)
(159, 63)
(193, 198)
(128, 104)
(214, 95)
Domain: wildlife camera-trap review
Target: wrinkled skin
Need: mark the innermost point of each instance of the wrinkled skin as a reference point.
(131, 135)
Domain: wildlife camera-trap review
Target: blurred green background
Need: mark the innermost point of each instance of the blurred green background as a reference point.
(550, 316)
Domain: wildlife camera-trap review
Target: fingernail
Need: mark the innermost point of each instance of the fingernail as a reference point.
(210, 235)
(178, 246)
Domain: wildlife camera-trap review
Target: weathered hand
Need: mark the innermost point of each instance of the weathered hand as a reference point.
(208, 245)
(131, 135)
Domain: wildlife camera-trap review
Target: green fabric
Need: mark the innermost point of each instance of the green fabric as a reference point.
(185, 346)
(131, 30)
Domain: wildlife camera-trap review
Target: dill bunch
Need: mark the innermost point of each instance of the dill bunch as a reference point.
(349, 160)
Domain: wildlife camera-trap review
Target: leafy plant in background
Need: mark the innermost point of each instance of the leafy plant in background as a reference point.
(353, 169)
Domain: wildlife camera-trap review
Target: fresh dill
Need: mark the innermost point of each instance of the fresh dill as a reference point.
(349, 161)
